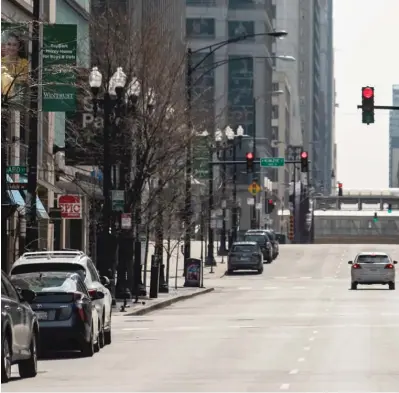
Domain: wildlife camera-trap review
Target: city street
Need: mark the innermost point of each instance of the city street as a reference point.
(297, 327)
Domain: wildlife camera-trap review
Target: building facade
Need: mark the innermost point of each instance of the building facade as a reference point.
(394, 140)
(228, 77)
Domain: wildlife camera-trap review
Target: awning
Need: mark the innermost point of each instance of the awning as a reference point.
(19, 198)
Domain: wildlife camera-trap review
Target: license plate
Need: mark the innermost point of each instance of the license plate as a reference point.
(42, 315)
(245, 259)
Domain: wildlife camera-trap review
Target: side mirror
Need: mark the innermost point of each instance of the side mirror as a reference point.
(95, 295)
(27, 295)
(350, 262)
(105, 281)
(395, 262)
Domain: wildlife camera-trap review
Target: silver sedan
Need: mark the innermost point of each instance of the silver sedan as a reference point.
(373, 268)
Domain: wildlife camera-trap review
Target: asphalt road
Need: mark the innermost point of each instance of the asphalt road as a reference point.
(295, 328)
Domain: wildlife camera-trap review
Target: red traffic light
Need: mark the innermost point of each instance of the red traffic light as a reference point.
(367, 92)
(304, 155)
(250, 156)
(270, 202)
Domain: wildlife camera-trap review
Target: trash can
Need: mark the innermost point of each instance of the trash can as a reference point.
(193, 267)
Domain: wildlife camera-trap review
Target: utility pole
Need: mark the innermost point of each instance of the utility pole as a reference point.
(32, 230)
(187, 202)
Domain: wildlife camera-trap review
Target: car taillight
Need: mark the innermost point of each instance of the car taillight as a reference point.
(77, 297)
(389, 266)
(92, 292)
(356, 266)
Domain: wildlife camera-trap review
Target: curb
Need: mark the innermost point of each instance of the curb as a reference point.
(168, 302)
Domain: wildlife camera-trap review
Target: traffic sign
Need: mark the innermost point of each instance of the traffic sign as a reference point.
(272, 162)
(71, 206)
(254, 188)
(17, 186)
(16, 170)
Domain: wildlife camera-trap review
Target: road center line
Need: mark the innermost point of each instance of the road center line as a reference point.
(285, 386)
(294, 371)
(311, 338)
(301, 359)
(306, 348)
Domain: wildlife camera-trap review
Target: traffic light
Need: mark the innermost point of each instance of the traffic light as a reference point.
(389, 208)
(270, 205)
(304, 161)
(340, 189)
(250, 162)
(375, 219)
(367, 105)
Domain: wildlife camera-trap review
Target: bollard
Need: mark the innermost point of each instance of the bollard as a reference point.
(154, 281)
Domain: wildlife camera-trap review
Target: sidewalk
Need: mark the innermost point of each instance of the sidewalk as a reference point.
(177, 291)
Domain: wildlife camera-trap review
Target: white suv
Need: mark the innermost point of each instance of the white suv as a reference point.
(72, 261)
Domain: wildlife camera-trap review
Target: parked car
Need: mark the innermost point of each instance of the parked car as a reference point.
(262, 238)
(68, 318)
(272, 238)
(73, 261)
(19, 331)
(282, 238)
(245, 256)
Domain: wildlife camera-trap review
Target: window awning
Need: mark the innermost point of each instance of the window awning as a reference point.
(19, 198)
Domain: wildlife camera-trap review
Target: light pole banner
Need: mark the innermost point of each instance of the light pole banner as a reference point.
(59, 62)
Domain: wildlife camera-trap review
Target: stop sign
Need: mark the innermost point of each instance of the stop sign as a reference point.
(71, 206)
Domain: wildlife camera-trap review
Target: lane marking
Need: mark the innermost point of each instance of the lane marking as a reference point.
(242, 327)
(270, 287)
(244, 288)
(280, 277)
(315, 331)
(311, 338)
(306, 278)
(186, 328)
(306, 348)
(305, 314)
(301, 359)
(294, 371)
(285, 386)
(299, 287)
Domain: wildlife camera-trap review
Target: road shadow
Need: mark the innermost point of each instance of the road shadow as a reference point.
(243, 273)
(368, 289)
(47, 355)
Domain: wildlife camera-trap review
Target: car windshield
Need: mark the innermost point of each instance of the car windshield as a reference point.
(372, 259)
(243, 248)
(255, 238)
(49, 267)
(44, 282)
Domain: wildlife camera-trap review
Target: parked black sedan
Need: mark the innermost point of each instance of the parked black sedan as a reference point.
(67, 316)
(19, 331)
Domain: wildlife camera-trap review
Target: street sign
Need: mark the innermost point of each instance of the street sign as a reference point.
(126, 221)
(118, 200)
(71, 206)
(272, 162)
(254, 188)
(17, 186)
(16, 170)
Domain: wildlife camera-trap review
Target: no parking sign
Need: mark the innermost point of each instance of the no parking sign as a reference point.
(71, 206)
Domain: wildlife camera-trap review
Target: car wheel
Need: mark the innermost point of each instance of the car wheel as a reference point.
(6, 360)
(87, 349)
(392, 286)
(354, 286)
(260, 270)
(108, 337)
(28, 368)
(101, 338)
(97, 345)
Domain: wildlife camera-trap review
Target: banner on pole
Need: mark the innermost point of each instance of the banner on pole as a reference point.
(59, 63)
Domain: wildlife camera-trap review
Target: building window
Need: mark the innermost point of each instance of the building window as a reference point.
(275, 112)
(200, 28)
(240, 28)
(275, 86)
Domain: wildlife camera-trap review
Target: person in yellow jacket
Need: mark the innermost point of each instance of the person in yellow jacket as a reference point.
(16, 65)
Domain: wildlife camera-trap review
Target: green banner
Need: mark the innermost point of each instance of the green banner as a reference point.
(59, 63)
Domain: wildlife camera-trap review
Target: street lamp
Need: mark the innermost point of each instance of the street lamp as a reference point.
(107, 258)
(190, 69)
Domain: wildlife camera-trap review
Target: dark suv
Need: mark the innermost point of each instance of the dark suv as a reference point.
(245, 256)
(262, 238)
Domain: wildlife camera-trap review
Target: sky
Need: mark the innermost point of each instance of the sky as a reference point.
(366, 42)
